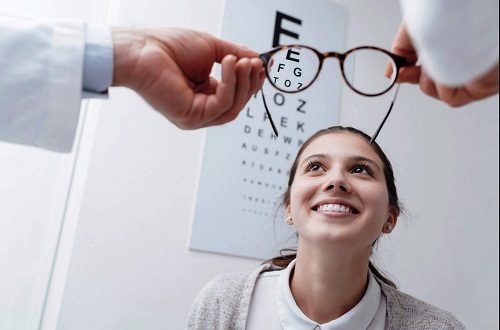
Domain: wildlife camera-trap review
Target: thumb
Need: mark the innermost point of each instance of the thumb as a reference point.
(403, 46)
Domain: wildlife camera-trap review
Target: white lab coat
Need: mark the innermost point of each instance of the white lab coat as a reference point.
(456, 40)
(41, 65)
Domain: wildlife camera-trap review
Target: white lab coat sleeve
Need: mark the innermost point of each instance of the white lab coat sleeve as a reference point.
(41, 65)
(456, 40)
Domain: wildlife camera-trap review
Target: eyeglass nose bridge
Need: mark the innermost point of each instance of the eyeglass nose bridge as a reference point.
(340, 57)
(323, 56)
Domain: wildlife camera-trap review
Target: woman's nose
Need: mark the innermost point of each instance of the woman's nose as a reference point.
(339, 186)
(337, 181)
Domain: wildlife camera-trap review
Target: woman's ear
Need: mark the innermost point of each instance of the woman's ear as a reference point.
(288, 209)
(391, 221)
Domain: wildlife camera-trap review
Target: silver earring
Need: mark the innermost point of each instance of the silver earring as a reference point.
(388, 227)
(289, 220)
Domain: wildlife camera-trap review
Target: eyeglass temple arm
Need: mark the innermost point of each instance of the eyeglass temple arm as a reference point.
(265, 59)
(268, 113)
(386, 116)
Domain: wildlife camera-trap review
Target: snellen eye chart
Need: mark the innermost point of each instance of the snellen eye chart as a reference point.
(245, 166)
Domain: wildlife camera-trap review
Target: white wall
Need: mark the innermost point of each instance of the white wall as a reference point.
(128, 266)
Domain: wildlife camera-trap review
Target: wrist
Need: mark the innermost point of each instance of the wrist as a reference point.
(127, 45)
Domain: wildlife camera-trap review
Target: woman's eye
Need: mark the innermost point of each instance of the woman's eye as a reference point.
(361, 169)
(313, 167)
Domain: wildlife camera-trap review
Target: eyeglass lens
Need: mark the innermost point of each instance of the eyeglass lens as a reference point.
(365, 69)
(294, 69)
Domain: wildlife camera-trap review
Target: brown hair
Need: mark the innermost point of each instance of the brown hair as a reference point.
(287, 255)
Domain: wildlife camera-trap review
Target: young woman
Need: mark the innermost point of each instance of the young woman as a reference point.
(341, 198)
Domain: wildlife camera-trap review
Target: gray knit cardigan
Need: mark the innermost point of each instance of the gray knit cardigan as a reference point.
(224, 302)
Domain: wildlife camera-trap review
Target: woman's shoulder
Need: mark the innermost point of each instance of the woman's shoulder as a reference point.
(233, 282)
(407, 312)
(224, 301)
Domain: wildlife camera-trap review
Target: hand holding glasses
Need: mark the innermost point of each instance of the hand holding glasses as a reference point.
(367, 70)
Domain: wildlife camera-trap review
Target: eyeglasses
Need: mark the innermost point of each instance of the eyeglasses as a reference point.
(367, 70)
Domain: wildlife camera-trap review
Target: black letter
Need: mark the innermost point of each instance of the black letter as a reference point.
(284, 121)
(302, 103)
(278, 30)
(248, 113)
(297, 72)
(276, 99)
(290, 58)
(300, 126)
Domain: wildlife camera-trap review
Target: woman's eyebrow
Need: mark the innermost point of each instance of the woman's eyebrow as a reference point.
(316, 156)
(353, 159)
(368, 160)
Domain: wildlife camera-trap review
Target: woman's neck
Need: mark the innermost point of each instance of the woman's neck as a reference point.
(326, 286)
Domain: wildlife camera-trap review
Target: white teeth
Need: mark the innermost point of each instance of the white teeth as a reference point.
(334, 208)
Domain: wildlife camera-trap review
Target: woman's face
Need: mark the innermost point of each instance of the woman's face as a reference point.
(339, 195)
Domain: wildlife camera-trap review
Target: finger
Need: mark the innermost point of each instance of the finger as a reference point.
(427, 85)
(389, 69)
(260, 75)
(256, 80)
(243, 76)
(410, 74)
(403, 46)
(225, 47)
(208, 86)
(206, 108)
(242, 93)
(455, 97)
(223, 99)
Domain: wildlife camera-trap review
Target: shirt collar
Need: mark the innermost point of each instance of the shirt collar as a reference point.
(359, 317)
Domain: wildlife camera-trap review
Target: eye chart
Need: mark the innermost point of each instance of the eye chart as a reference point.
(245, 165)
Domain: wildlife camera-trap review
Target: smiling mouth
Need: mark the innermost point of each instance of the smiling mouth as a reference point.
(335, 208)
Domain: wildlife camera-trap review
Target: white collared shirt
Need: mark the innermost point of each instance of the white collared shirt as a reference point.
(272, 307)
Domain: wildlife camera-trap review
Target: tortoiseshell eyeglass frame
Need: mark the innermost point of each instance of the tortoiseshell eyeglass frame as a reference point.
(398, 61)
